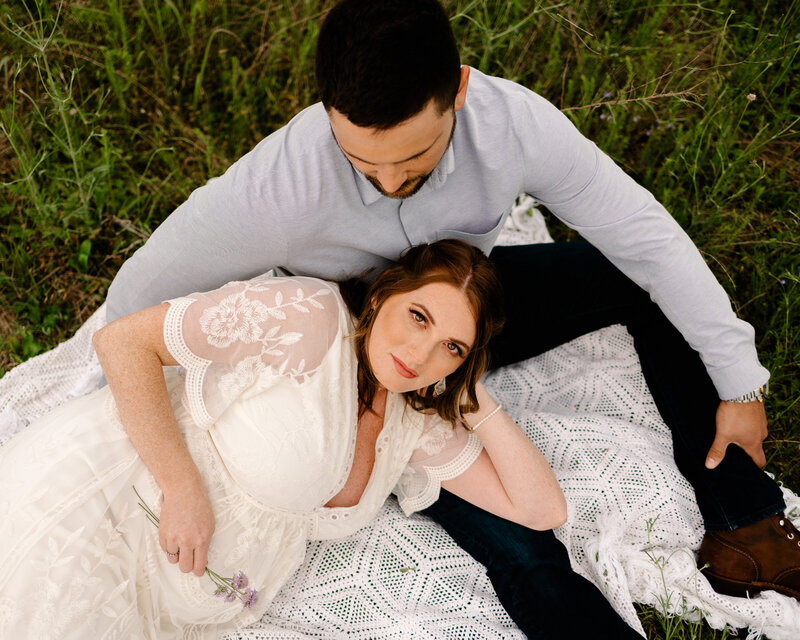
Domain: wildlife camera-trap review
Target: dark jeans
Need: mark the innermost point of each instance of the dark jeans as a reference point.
(554, 293)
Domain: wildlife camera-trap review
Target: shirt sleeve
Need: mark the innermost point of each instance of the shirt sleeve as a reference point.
(228, 229)
(442, 453)
(585, 189)
(248, 334)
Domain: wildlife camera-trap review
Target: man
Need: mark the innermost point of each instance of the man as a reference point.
(407, 147)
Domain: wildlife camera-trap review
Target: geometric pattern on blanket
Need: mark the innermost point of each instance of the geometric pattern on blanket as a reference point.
(633, 522)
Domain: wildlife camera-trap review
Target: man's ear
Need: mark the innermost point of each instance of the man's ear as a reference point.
(461, 96)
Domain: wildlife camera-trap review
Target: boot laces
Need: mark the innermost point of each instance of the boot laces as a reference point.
(791, 531)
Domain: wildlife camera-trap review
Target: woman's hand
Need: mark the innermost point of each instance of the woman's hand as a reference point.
(185, 528)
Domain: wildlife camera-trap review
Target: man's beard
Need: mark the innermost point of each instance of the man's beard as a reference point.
(405, 190)
(412, 185)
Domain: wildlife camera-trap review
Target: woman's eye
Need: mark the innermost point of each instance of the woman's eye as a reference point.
(453, 348)
(418, 317)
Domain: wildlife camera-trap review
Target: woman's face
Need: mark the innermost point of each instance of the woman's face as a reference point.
(420, 336)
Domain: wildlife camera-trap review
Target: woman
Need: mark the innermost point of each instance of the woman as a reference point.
(289, 424)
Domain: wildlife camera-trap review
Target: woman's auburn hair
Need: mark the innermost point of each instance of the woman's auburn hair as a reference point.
(452, 262)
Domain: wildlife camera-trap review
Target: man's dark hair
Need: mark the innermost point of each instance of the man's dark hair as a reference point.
(379, 62)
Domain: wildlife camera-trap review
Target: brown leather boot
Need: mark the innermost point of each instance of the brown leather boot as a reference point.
(755, 558)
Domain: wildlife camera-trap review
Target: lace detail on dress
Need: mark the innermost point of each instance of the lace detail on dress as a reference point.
(245, 334)
(435, 438)
(9, 613)
(442, 453)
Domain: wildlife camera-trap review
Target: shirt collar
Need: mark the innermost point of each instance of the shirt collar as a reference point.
(444, 168)
(368, 193)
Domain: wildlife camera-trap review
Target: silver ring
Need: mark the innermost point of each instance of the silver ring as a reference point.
(172, 555)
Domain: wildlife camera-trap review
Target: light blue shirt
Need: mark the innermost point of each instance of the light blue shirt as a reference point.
(295, 203)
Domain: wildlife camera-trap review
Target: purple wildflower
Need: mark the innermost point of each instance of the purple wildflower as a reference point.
(602, 116)
(232, 595)
(636, 118)
(782, 281)
(221, 591)
(648, 132)
(239, 580)
(250, 598)
(606, 94)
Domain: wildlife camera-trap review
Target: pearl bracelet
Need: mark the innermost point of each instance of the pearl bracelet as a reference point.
(484, 419)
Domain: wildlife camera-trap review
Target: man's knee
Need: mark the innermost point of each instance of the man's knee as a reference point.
(495, 542)
(520, 549)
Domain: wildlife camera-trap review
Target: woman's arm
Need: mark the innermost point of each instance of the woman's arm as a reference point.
(132, 353)
(510, 477)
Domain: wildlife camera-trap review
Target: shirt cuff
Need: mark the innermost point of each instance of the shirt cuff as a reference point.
(739, 378)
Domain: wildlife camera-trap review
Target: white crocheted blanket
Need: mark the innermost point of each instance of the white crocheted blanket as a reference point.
(633, 522)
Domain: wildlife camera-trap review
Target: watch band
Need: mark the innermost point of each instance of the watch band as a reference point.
(754, 396)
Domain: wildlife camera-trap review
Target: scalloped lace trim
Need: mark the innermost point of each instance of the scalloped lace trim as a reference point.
(195, 366)
(441, 473)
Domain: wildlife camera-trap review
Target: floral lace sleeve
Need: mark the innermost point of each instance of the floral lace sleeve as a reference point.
(442, 453)
(248, 333)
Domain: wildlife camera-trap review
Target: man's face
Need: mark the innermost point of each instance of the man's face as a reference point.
(396, 161)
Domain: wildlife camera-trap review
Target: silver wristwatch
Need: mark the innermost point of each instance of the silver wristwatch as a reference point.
(753, 396)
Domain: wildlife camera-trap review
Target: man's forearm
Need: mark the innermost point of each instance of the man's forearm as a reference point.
(652, 250)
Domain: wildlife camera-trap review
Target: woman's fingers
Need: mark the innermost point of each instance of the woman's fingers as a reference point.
(169, 547)
(188, 556)
(193, 558)
(200, 559)
(186, 559)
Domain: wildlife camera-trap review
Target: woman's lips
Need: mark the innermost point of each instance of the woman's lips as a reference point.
(403, 370)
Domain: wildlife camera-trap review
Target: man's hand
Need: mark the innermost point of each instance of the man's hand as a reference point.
(185, 529)
(743, 424)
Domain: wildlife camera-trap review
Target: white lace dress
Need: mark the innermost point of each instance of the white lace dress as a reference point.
(267, 403)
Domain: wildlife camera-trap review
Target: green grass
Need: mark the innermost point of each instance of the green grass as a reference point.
(111, 112)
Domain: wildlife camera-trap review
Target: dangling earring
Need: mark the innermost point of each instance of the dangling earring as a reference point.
(439, 387)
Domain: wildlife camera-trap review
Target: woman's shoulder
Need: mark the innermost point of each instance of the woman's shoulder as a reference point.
(299, 299)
